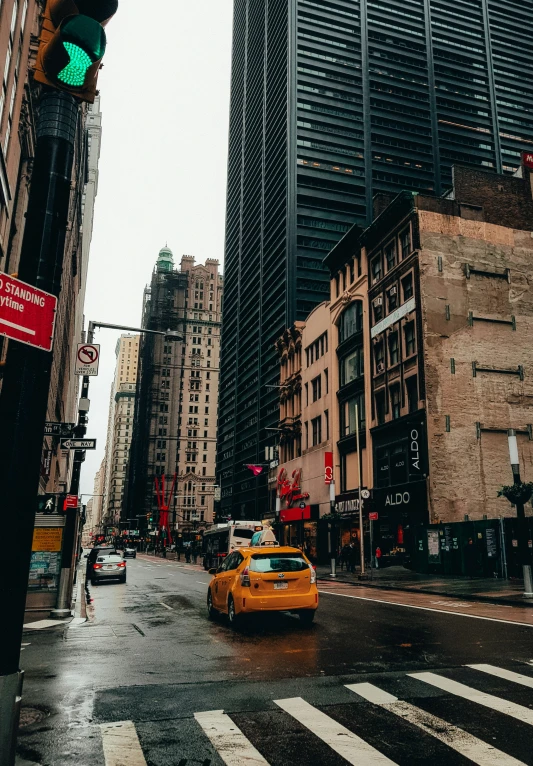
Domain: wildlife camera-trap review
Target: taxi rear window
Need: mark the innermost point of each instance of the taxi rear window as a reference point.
(280, 562)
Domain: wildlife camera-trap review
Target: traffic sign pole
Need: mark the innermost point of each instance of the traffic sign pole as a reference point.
(25, 390)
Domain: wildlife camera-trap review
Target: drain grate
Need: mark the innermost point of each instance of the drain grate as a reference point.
(31, 715)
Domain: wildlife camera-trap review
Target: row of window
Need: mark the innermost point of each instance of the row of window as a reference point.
(392, 298)
(317, 349)
(393, 347)
(394, 404)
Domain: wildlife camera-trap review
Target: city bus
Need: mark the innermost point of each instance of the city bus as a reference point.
(222, 539)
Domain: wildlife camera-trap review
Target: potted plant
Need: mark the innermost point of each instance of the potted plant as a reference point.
(517, 493)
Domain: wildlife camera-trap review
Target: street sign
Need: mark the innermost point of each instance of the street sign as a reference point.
(78, 443)
(71, 501)
(217, 494)
(58, 429)
(373, 516)
(87, 359)
(365, 494)
(26, 313)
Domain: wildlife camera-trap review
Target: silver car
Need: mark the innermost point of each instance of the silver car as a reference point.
(110, 565)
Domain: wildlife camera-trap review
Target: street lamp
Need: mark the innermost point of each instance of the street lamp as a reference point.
(523, 549)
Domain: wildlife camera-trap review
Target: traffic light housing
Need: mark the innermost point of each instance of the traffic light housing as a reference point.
(72, 45)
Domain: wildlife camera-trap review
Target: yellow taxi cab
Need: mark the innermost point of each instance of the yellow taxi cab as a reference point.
(264, 579)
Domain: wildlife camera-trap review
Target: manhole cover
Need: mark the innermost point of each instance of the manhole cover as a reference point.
(31, 715)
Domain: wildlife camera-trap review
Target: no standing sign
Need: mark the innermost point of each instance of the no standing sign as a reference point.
(87, 359)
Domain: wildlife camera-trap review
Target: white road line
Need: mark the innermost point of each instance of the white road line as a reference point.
(427, 609)
(121, 744)
(457, 739)
(347, 744)
(519, 712)
(166, 606)
(508, 675)
(41, 624)
(228, 740)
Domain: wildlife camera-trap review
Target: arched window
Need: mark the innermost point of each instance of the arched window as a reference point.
(351, 321)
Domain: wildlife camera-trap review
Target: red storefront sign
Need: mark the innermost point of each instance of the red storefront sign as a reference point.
(527, 159)
(295, 514)
(373, 516)
(26, 313)
(328, 467)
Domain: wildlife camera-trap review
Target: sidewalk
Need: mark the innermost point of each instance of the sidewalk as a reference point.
(506, 592)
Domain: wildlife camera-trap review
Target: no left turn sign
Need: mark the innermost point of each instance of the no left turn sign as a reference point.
(87, 359)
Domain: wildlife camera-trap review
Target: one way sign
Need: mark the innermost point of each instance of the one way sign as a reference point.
(78, 443)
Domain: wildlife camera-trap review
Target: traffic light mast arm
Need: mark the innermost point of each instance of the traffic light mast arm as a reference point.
(170, 334)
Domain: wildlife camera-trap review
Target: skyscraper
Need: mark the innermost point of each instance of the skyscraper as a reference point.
(331, 103)
(176, 408)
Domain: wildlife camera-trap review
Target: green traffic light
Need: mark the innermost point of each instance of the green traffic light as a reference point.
(84, 43)
(75, 71)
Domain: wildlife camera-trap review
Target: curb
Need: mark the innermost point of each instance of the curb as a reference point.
(459, 596)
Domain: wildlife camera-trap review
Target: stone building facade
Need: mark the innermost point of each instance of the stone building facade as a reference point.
(429, 322)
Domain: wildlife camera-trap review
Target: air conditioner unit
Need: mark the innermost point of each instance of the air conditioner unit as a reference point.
(393, 290)
(378, 301)
(380, 366)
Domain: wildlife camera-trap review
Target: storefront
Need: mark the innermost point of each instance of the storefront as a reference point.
(400, 496)
(299, 527)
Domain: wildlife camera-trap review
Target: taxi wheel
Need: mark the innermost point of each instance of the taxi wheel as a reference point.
(307, 617)
(211, 611)
(233, 617)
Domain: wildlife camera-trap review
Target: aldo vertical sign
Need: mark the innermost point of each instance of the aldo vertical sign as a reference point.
(27, 314)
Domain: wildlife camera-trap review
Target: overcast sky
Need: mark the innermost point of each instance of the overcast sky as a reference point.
(165, 105)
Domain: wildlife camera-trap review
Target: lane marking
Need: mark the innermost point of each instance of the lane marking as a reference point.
(457, 739)
(508, 675)
(347, 744)
(228, 740)
(166, 606)
(428, 609)
(42, 624)
(121, 744)
(519, 712)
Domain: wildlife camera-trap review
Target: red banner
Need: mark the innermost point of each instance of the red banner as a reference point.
(328, 467)
(527, 158)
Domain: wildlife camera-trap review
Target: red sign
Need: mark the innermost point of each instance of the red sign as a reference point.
(295, 514)
(328, 467)
(527, 159)
(26, 313)
(373, 516)
(71, 501)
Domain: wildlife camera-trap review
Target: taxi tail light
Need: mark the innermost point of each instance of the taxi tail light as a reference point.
(122, 563)
(313, 574)
(245, 577)
(97, 566)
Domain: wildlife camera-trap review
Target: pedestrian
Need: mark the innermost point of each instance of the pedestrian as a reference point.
(378, 556)
(194, 554)
(352, 558)
(188, 555)
(345, 557)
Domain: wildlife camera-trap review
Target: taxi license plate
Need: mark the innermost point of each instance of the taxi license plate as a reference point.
(281, 585)
(109, 566)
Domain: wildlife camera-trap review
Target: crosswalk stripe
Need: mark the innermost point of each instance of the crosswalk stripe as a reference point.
(519, 712)
(508, 675)
(457, 739)
(121, 744)
(228, 740)
(347, 744)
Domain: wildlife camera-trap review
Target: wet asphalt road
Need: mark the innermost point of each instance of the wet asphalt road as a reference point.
(148, 655)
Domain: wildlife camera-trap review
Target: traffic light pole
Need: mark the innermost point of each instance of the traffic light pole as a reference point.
(25, 390)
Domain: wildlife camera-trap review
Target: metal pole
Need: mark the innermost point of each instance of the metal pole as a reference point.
(25, 391)
(503, 551)
(359, 481)
(523, 549)
(371, 549)
(332, 532)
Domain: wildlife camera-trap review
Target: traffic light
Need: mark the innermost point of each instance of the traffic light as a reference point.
(72, 45)
(47, 504)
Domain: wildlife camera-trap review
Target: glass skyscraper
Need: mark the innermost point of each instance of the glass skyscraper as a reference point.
(331, 103)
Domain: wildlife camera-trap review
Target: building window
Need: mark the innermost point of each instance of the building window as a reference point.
(394, 351)
(326, 418)
(411, 387)
(392, 298)
(375, 269)
(377, 307)
(316, 385)
(390, 255)
(409, 333)
(326, 381)
(307, 394)
(405, 242)
(407, 287)
(316, 426)
(351, 321)
(352, 366)
(306, 435)
(395, 401)
(379, 357)
(347, 413)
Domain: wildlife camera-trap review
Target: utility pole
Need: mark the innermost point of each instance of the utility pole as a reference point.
(24, 398)
(359, 483)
